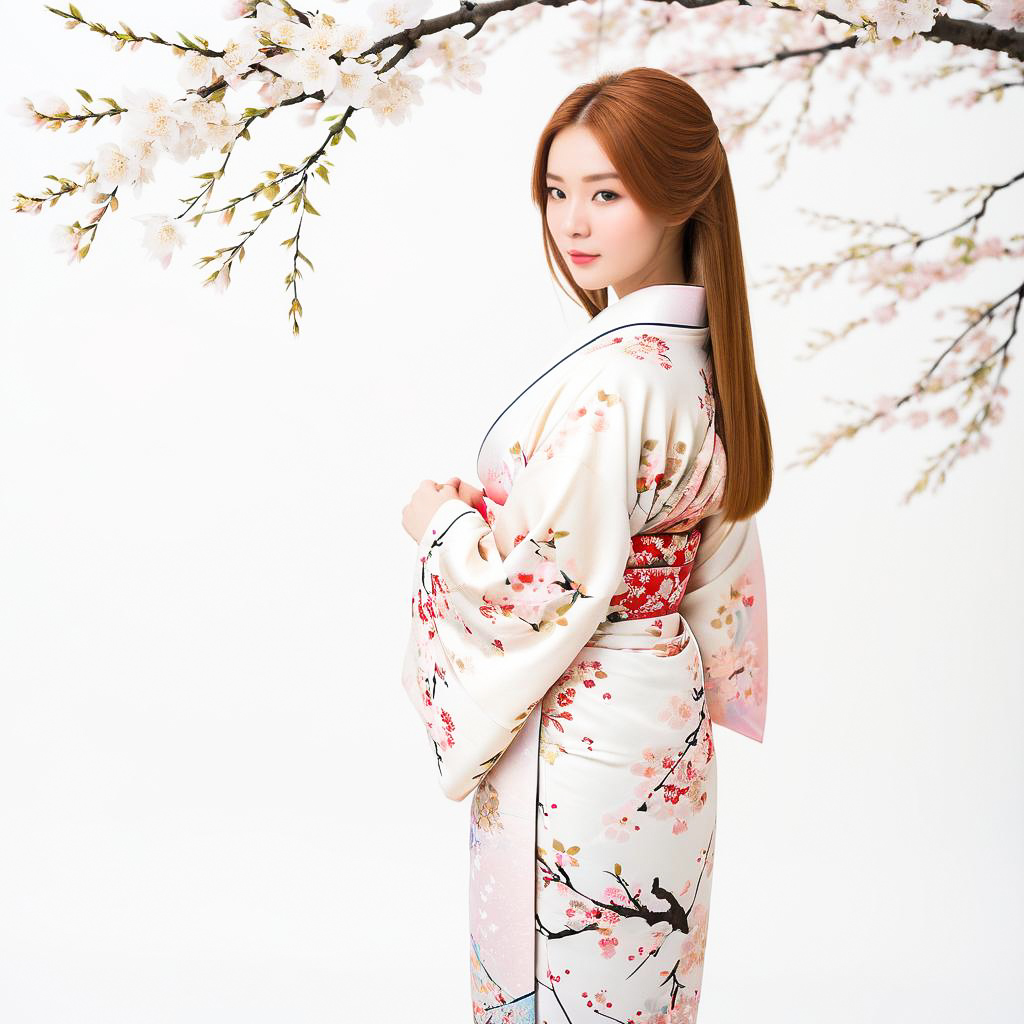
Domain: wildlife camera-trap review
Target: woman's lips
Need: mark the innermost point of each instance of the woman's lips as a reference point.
(579, 259)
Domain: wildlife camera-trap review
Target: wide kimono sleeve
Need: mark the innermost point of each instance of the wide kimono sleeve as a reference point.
(500, 610)
(724, 605)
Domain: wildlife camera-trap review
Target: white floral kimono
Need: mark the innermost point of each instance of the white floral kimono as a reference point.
(572, 641)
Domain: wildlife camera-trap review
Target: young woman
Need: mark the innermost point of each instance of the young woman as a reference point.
(580, 621)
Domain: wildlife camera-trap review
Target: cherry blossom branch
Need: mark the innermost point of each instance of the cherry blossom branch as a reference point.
(783, 55)
(60, 117)
(977, 36)
(295, 310)
(74, 18)
(68, 187)
(249, 116)
(77, 238)
(976, 387)
(793, 278)
(310, 60)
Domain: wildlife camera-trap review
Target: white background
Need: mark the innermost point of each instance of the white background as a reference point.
(217, 804)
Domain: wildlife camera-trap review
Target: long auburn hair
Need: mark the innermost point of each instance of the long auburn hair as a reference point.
(662, 140)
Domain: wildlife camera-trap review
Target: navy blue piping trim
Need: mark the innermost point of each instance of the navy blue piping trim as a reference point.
(638, 323)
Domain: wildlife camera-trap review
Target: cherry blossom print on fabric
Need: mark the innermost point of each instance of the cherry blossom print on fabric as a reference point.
(576, 636)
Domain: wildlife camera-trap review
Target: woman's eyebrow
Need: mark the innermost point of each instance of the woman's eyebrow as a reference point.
(586, 177)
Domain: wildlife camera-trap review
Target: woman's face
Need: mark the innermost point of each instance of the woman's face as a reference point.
(588, 210)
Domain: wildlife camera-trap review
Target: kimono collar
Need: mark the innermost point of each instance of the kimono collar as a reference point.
(681, 306)
(664, 305)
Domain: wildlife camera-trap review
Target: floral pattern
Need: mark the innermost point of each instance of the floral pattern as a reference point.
(575, 637)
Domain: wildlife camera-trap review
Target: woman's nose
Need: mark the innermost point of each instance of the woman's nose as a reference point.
(576, 222)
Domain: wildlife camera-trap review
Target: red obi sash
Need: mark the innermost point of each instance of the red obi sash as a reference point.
(656, 574)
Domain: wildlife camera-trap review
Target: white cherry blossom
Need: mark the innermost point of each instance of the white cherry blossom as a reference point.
(276, 88)
(441, 47)
(391, 98)
(240, 51)
(24, 111)
(223, 278)
(848, 10)
(355, 81)
(48, 103)
(353, 37)
(115, 166)
(322, 36)
(195, 70)
(206, 123)
(394, 15)
(308, 67)
(144, 153)
(902, 18)
(279, 27)
(466, 70)
(151, 117)
(1005, 14)
(454, 54)
(66, 238)
(311, 62)
(161, 237)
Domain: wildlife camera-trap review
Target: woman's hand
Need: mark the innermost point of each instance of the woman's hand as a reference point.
(429, 496)
(470, 495)
(426, 500)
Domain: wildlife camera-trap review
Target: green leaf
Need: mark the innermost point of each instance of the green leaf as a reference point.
(84, 95)
(322, 171)
(75, 11)
(188, 42)
(351, 134)
(303, 257)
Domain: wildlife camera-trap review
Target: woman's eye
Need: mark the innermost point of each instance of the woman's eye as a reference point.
(602, 192)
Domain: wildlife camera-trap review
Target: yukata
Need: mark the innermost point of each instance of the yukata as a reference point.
(573, 638)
